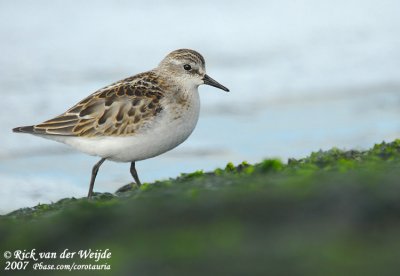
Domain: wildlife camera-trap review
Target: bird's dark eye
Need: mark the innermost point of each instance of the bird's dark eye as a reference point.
(187, 67)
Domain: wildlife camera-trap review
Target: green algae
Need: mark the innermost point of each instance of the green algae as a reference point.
(335, 212)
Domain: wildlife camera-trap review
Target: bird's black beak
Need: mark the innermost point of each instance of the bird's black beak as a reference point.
(209, 81)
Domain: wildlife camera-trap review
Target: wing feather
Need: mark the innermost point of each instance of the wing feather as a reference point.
(121, 108)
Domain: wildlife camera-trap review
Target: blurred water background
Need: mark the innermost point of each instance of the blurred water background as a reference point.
(304, 75)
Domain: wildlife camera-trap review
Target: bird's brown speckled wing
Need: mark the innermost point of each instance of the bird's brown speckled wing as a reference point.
(121, 108)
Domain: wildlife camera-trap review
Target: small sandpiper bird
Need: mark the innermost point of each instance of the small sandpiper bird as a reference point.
(135, 118)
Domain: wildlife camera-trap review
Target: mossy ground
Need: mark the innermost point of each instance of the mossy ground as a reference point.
(333, 213)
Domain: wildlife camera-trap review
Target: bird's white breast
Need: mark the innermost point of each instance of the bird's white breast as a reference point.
(172, 126)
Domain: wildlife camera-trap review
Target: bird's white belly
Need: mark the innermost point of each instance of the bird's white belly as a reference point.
(164, 134)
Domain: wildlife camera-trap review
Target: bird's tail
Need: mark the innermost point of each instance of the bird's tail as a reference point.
(24, 129)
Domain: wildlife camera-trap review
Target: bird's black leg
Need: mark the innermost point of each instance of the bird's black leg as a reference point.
(134, 174)
(93, 178)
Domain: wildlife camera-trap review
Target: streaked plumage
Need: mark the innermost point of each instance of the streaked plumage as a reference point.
(120, 109)
(136, 118)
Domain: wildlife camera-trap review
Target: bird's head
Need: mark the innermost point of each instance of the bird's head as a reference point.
(188, 68)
